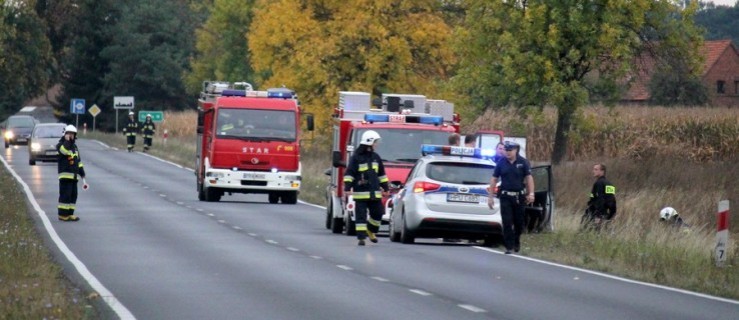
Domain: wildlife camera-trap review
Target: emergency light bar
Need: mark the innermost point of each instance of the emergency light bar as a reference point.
(279, 93)
(401, 118)
(427, 149)
(283, 93)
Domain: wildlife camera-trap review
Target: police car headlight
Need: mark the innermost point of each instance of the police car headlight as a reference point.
(35, 146)
(215, 174)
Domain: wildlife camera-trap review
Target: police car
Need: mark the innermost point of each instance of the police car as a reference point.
(446, 196)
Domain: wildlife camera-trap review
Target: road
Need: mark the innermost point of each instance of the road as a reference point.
(163, 254)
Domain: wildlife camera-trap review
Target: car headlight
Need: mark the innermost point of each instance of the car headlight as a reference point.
(9, 134)
(35, 146)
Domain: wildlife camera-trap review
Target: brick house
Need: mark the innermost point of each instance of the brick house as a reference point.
(720, 75)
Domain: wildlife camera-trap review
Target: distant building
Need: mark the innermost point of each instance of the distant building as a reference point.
(720, 75)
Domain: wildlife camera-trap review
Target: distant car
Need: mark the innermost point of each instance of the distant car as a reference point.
(18, 130)
(43, 142)
(445, 196)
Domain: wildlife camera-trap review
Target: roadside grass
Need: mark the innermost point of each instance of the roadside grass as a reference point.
(32, 285)
(636, 245)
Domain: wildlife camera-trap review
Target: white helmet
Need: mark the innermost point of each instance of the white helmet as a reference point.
(130, 113)
(148, 115)
(70, 128)
(667, 213)
(369, 137)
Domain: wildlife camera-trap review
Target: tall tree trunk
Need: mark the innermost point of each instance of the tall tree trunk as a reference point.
(564, 122)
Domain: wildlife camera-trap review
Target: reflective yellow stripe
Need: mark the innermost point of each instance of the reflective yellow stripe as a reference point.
(383, 179)
(64, 151)
(226, 127)
(360, 227)
(610, 190)
(67, 206)
(348, 178)
(81, 165)
(373, 222)
(376, 166)
(591, 195)
(363, 167)
(66, 175)
(361, 195)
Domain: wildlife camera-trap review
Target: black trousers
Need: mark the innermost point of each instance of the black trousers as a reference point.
(147, 142)
(362, 223)
(511, 212)
(130, 141)
(67, 197)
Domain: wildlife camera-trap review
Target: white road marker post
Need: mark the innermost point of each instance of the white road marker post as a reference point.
(722, 232)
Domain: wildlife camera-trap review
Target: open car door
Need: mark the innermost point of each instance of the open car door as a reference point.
(539, 216)
(488, 139)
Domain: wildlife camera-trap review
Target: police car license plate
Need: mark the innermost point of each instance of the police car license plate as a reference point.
(254, 176)
(462, 197)
(51, 153)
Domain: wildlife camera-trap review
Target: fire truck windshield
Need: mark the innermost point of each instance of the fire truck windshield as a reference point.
(404, 145)
(256, 124)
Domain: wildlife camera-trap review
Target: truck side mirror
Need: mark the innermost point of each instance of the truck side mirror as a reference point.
(201, 121)
(336, 159)
(309, 121)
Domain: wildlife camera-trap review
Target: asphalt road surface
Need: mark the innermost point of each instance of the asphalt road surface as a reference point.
(162, 254)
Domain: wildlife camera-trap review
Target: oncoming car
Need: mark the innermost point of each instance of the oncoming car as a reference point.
(18, 130)
(42, 145)
(445, 196)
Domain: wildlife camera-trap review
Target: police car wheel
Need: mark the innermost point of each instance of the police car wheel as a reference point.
(406, 235)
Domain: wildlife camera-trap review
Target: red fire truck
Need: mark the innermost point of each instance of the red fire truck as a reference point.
(404, 122)
(248, 142)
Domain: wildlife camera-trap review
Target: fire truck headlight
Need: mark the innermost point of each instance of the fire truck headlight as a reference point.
(293, 177)
(215, 174)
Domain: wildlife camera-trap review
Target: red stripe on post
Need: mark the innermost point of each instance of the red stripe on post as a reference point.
(723, 220)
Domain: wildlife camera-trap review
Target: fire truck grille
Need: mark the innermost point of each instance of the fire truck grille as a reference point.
(253, 183)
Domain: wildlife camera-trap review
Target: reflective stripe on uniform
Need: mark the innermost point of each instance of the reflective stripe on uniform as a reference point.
(81, 165)
(383, 179)
(610, 190)
(66, 175)
(361, 195)
(226, 127)
(64, 151)
(363, 167)
(66, 206)
(375, 166)
(360, 227)
(348, 179)
(373, 222)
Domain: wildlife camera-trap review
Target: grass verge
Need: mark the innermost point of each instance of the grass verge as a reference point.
(32, 286)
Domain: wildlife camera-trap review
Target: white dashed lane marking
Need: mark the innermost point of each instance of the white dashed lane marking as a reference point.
(471, 308)
(381, 279)
(343, 267)
(420, 292)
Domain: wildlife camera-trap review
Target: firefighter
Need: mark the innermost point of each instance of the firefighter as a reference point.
(148, 128)
(516, 190)
(365, 179)
(602, 204)
(130, 131)
(70, 169)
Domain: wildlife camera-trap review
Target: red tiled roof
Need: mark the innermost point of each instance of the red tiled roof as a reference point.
(639, 89)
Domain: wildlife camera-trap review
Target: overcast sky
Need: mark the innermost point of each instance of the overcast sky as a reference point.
(729, 3)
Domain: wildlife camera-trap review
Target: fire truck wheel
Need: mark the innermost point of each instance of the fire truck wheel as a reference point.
(212, 195)
(289, 197)
(273, 198)
(329, 214)
(201, 194)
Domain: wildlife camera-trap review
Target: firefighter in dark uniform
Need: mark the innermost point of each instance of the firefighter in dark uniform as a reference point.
(132, 126)
(515, 191)
(148, 128)
(70, 170)
(365, 179)
(602, 203)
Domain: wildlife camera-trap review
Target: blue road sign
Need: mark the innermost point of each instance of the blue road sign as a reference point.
(77, 106)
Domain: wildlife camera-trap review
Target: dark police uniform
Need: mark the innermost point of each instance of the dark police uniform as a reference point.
(70, 170)
(512, 195)
(602, 203)
(130, 132)
(366, 175)
(148, 129)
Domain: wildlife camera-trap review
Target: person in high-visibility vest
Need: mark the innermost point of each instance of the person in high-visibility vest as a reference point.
(366, 181)
(70, 171)
(148, 129)
(130, 131)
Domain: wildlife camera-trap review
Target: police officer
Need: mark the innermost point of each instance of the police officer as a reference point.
(70, 170)
(602, 202)
(365, 179)
(516, 190)
(130, 131)
(148, 129)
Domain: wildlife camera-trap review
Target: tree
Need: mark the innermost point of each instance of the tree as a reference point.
(537, 53)
(25, 59)
(720, 22)
(321, 47)
(221, 47)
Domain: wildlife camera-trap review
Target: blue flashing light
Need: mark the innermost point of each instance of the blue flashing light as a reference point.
(457, 151)
(233, 93)
(281, 93)
(487, 153)
(377, 118)
(435, 120)
(431, 149)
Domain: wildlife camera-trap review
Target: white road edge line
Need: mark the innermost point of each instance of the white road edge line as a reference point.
(609, 276)
(381, 279)
(165, 161)
(102, 144)
(108, 296)
(420, 292)
(343, 267)
(471, 308)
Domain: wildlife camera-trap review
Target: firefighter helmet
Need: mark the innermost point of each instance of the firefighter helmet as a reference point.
(667, 213)
(70, 128)
(130, 113)
(148, 115)
(369, 137)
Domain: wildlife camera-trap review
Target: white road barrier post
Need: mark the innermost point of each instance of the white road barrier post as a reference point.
(722, 232)
(166, 135)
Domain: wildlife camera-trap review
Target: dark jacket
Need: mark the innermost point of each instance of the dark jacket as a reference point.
(365, 174)
(148, 128)
(131, 128)
(69, 161)
(602, 201)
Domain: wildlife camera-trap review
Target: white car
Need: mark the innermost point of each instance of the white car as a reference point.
(445, 196)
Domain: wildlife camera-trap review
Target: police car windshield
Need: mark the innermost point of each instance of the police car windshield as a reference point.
(460, 173)
(404, 145)
(256, 124)
(48, 132)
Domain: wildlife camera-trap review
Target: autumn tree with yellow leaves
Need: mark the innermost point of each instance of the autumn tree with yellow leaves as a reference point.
(321, 47)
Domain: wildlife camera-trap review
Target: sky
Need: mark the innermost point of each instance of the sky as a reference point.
(729, 3)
